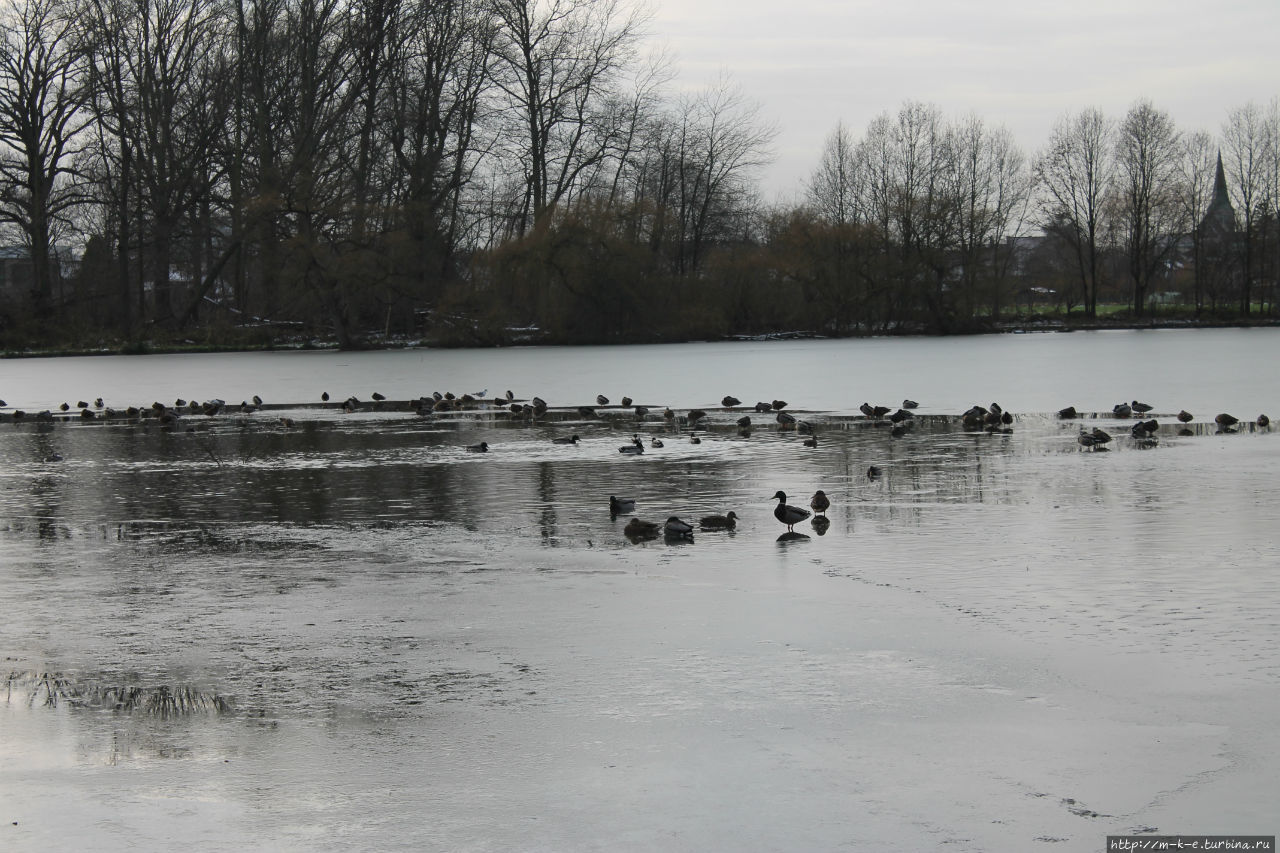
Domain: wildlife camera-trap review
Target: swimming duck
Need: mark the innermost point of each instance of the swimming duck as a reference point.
(635, 448)
(482, 447)
(811, 441)
(788, 515)
(874, 472)
(677, 529)
(573, 439)
(656, 442)
(820, 503)
(637, 529)
(719, 522)
(621, 506)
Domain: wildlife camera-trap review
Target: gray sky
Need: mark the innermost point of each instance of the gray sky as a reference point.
(812, 63)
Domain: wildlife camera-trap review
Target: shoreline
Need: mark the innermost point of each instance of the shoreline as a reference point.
(372, 344)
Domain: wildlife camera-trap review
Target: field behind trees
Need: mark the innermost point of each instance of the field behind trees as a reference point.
(479, 172)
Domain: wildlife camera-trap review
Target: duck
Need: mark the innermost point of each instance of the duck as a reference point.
(745, 422)
(1185, 416)
(910, 404)
(378, 396)
(602, 400)
(811, 441)
(656, 442)
(778, 405)
(820, 502)
(1264, 421)
(1122, 410)
(641, 411)
(621, 506)
(572, 439)
(482, 447)
(1068, 414)
(635, 448)
(785, 421)
(729, 401)
(677, 529)
(637, 529)
(1140, 408)
(693, 439)
(874, 472)
(788, 515)
(587, 412)
(626, 402)
(727, 521)
(1225, 420)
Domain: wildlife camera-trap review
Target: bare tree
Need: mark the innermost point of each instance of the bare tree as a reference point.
(561, 64)
(1198, 166)
(42, 116)
(833, 189)
(1244, 139)
(1148, 150)
(993, 187)
(1075, 172)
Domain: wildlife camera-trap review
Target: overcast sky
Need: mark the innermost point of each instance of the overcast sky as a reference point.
(1020, 63)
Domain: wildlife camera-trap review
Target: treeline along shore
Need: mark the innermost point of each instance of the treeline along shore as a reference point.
(481, 172)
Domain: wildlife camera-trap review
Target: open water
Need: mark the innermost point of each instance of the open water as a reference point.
(347, 632)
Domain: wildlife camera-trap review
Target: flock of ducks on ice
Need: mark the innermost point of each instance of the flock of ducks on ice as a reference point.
(991, 418)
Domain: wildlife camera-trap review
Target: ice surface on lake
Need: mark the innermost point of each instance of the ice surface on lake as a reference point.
(350, 634)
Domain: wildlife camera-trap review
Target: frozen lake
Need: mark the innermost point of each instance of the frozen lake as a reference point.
(348, 633)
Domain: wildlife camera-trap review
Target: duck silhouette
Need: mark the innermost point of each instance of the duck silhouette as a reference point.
(719, 522)
(788, 515)
(820, 502)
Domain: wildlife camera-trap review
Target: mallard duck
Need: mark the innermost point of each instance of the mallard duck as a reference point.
(1185, 416)
(811, 441)
(637, 529)
(1122, 410)
(719, 522)
(744, 421)
(1264, 421)
(1140, 408)
(910, 404)
(788, 515)
(820, 502)
(656, 442)
(626, 402)
(602, 400)
(1068, 414)
(572, 439)
(729, 401)
(874, 472)
(482, 447)
(621, 506)
(677, 529)
(1225, 420)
